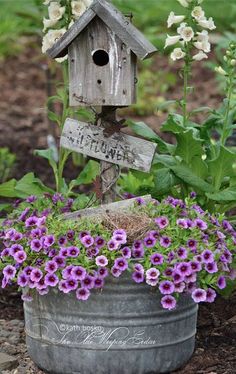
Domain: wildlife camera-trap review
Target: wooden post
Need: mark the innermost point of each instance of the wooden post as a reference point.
(109, 172)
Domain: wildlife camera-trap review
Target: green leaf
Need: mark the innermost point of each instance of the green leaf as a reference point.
(141, 129)
(30, 185)
(5, 207)
(188, 176)
(87, 175)
(174, 124)
(229, 194)
(188, 146)
(164, 180)
(222, 166)
(48, 154)
(54, 117)
(165, 160)
(7, 189)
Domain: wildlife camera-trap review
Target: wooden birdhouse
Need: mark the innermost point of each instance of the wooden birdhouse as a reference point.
(103, 47)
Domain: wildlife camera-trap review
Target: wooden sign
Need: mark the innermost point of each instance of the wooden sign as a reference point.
(99, 211)
(119, 148)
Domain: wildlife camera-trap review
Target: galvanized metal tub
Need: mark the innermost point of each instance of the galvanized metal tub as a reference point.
(121, 330)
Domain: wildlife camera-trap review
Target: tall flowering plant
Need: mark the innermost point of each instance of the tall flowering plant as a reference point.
(180, 249)
(200, 158)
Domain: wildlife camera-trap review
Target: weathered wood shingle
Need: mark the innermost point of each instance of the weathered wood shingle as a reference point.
(114, 19)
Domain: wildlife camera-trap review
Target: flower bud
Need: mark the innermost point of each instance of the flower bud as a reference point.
(220, 70)
(233, 62)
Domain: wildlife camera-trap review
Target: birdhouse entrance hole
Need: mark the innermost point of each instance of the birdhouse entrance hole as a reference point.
(100, 57)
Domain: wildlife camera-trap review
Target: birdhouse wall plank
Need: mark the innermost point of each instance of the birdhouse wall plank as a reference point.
(102, 70)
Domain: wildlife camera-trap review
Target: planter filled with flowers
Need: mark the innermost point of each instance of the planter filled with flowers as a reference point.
(117, 293)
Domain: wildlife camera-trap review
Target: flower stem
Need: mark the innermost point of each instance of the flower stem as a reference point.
(185, 98)
(227, 112)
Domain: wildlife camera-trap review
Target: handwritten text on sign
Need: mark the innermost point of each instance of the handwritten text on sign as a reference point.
(119, 148)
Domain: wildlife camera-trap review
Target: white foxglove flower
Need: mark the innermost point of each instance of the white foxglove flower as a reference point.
(177, 54)
(204, 46)
(181, 27)
(187, 33)
(51, 37)
(87, 3)
(203, 36)
(171, 40)
(62, 59)
(172, 19)
(220, 70)
(55, 11)
(184, 3)
(200, 56)
(47, 23)
(78, 8)
(207, 23)
(198, 13)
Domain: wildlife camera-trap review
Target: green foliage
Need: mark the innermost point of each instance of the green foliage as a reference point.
(7, 162)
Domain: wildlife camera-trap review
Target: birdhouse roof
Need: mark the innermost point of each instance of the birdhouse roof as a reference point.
(115, 20)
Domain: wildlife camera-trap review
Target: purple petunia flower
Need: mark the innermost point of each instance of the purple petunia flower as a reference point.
(140, 201)
(192, 244)
(112, 245)
(232, 274)
(183, 223)
(166, 287)
(162, 222)
(63, 252)
(138, 277)
(211, 267)
(9, 272)
(116, 272)
(152, 281)
(210, 295)
(190, 278)
(17, 236)
(87, 241)
(168, 302)
(31, 221)
(70, 234)
(139, 268)
(170, 257)
(126, 252)
(168, 272)
(192, 195)
(82, 294)
(195, 266)
(199, 295)
(98, 282)
(102, 272)
(182, 253)
(62, 286)
(165, 241)
(73, 252)
(179, 287)
(157, 259)
(36, 275)
(197, 209)
(152, 273)
(15, 248)
(51, 280)
(60, 260)
(138, 252)
(149, 241)
(121, 263)
(78, 272)
(227, 226)
(5, 252)
(226, 256)
(35, 233)
(88, 282)
(66, 273)
(198, 258)
(177, 277)
(99, 242)
(24, 214)
(93, 251)
(48, 241)
(101, 261)
(27, 270)
(22, 280)
(62, 241)
(184, 268)
(221, 282)
(202, 225)
(43, 291)
(154, 234)
(20, 257)
(36, 245)
(71, 284)
(207, 256)
(51, 266)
